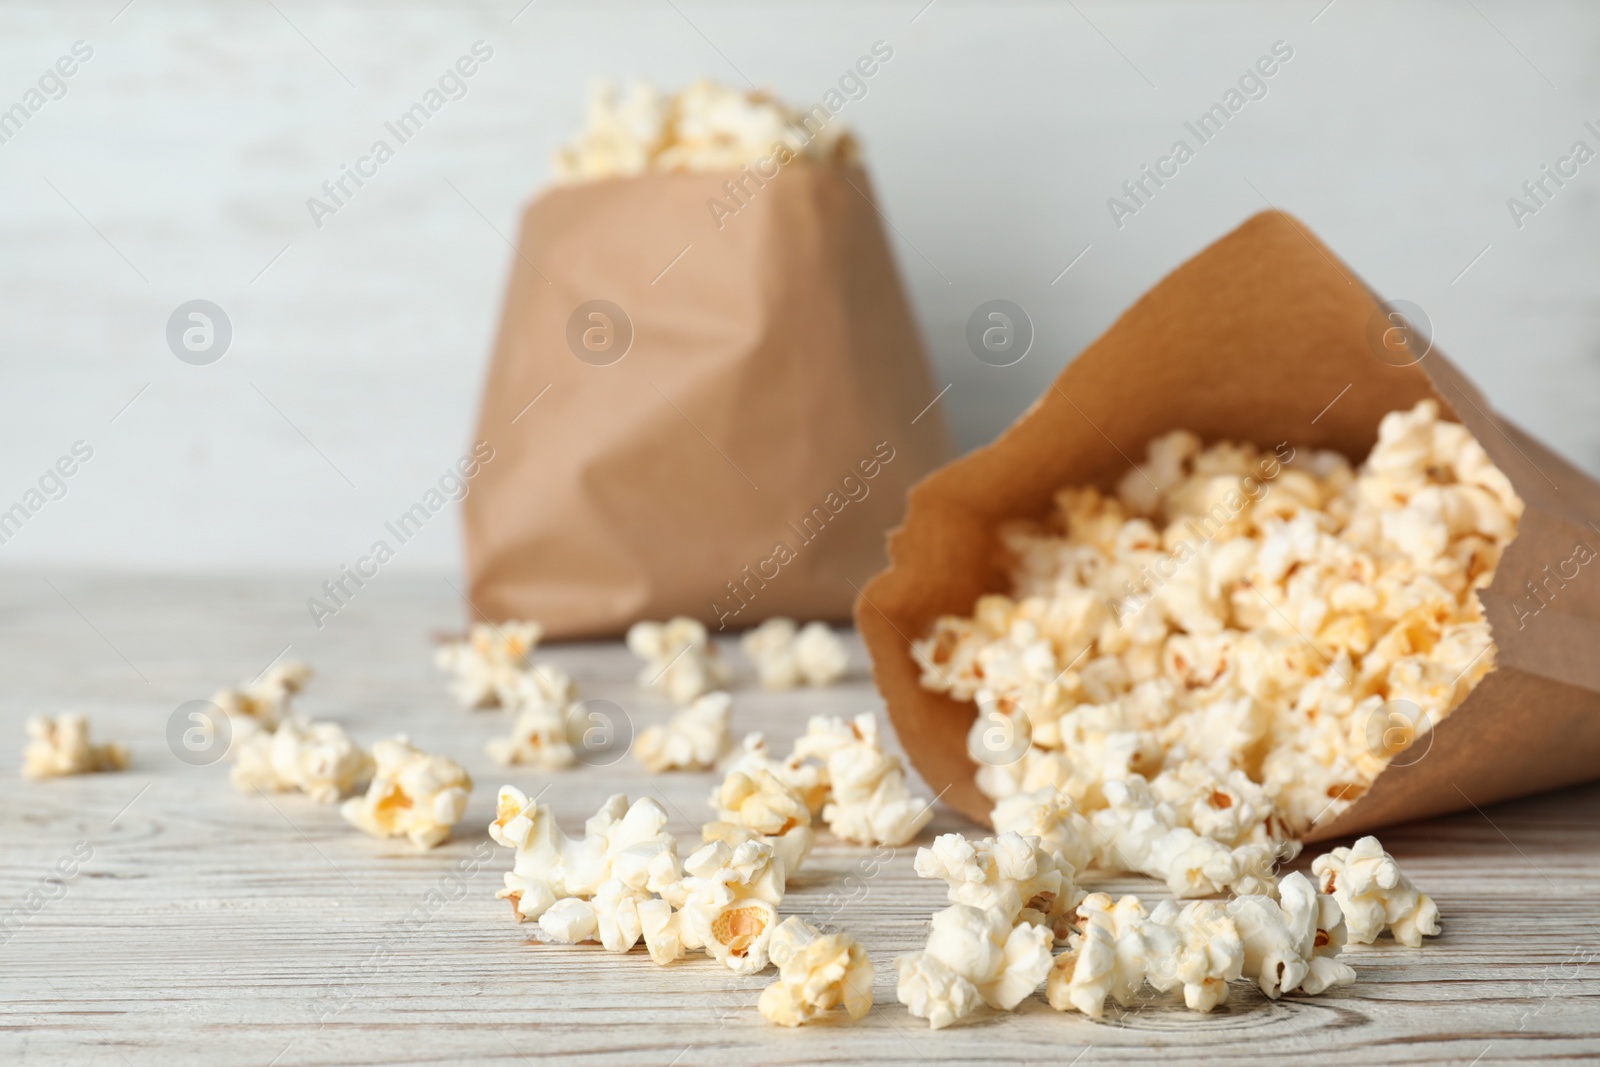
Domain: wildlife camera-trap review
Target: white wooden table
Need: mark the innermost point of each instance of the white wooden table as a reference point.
(216, 928)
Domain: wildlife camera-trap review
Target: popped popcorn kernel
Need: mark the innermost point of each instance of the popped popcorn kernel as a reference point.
(263, 702)
(412, 795)
(1374, 894)
(681, 663)
(60, 746)
(541, 737)
(1009, 873)
(318, 759)
(786, 658)
(817, 972)
(487, 669)
(692, 740)
(869, 802)
(973, 955)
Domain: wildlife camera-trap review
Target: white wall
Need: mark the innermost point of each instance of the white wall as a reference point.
(192, 138)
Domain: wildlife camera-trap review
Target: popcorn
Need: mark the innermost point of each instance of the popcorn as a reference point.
(1290, 943)
(763, 806)
(1199, 663)
(808, 780)
(569, 921)
(693, 739)
(662, 929)
(730, 903)
(870, 803)
(1051, 817)
(1010, 874)
(61, 746)
(1122, 947)
(487, 668)
(816, 973)
(316, 758)
(973, 955)
(412, 795)
(681, 662)
(704, 127)
(540, 737)
(1374, 894)
(624, 842)
(263, 702)
(784, 659)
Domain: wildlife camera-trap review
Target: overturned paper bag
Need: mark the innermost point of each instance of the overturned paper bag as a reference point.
(1266, 337)
(697, 412)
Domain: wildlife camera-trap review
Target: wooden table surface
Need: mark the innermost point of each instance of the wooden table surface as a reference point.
(211, 927)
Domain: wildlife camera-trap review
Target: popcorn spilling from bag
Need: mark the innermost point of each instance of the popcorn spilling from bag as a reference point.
(413, 795)
(786, 657)
(1206, 662)
(703, 127)
(60, 746)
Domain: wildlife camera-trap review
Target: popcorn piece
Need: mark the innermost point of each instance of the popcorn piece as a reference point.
(61, 746)
(816, 973)
(662, 929)
(730, 903)
(1290, 943)
(616, 908)
(693, 739)
(1010, 873)
(763, 805)
(569, 921)
(622, 841)
(315, 758)
(973, 955)
(413, 794)
(704, 127)
(681, 662)
(1228, 625)
(785, 659)
(870, 803)
(1050, 816)
(1374, 894)
(487, 668)
(263, 702)
(540, 737)
(808, 780)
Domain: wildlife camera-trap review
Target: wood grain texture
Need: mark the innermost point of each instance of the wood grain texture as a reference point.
(210, 927)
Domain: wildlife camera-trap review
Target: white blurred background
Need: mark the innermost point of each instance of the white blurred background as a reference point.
(178, 164)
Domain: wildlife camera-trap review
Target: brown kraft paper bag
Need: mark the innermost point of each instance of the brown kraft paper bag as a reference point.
(1251, 340)
(699, 412)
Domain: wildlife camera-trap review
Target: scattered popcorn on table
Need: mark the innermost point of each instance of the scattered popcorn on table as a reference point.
(61, 746)
(263, 702)
(1010, 873)
(487, 668)
(816, 973)
(784, 659)
(703, 127)
(412, 795)
(1374, 894)
(1199, 664)
(973, 956)
(681, 662)
(692, 740)
(869, 802)
(316, 758)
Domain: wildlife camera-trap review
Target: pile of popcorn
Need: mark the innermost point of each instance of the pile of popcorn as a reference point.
(1195, 669)
(703, 127)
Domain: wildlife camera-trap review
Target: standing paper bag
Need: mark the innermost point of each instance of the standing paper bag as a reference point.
(697, 410)
(1266, 337)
